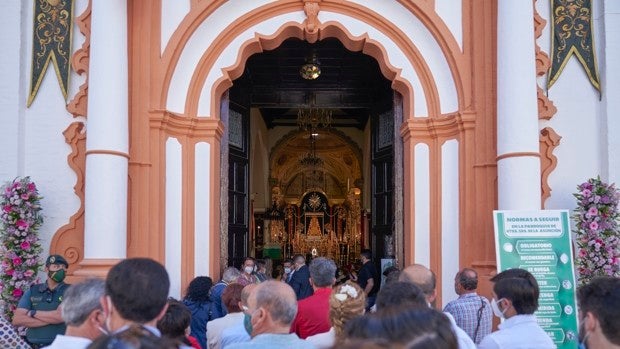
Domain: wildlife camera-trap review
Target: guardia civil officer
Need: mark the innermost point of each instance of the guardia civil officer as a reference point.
(39, 310)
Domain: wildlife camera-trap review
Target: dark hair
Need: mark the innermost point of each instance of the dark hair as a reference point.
(519, 273)
(138, 288)
(231, 297)
(261, 262)
(400, 294)
(322, 271)
(248, 259)
(288, 260)
(412, 328)
(520, 291)
(601, 297)
(135, 337)
(198, 289)
(366, 253)
(175, 321)
(468, 278)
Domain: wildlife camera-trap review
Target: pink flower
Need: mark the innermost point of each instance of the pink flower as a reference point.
(17, 292)
(25, 196)
(21, 224)
(28, 273)
(592, 211)
(25, 245)
(10, 272)
(7, 208)
(593, 226)
(32, 187)
(17, 261)
(586, 192)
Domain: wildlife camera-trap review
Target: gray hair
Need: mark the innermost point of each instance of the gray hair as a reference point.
(230, 274)
(278, 299)
(80, 299)
(322, 271)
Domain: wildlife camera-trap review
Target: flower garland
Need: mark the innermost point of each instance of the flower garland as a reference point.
(20, 246)
(596, 230)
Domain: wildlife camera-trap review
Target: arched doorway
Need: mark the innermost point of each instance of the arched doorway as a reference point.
(331, 135)
(177, 129)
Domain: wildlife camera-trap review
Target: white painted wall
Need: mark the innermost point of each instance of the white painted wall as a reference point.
(31, 139)
(422, 210)
(174, 214)
(450, 239)
(589, 127)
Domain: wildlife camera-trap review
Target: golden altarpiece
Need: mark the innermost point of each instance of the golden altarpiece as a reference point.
(316, 211)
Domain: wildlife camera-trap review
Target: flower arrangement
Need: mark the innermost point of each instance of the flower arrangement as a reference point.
(20, 247)
(596, 230)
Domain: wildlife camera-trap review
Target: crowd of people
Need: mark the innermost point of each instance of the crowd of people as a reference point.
(303, 306)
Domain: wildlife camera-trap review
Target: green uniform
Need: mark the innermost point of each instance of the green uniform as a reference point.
(40, 297)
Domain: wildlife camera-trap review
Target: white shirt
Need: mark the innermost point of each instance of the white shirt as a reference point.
(518, 332)
(215, 328)
(462, 337)
(69, 342)
(323, 340)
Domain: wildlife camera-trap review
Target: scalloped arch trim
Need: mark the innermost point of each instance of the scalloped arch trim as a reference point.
(326, 30)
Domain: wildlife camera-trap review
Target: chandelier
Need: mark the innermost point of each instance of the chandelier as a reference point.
(311, 70)
(312, 165)
(312, 119)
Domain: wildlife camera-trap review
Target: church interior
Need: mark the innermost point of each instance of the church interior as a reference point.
(311, 155)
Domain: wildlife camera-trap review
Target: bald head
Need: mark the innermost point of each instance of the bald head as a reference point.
(245, 293)
(278, 299)
(422, 277)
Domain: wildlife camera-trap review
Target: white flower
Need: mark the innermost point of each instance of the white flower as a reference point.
(341, 297)
(346, 290)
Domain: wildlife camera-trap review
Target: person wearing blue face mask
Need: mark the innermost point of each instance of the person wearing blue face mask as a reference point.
(599, 306)
(39, 307)
(268, 316)
(515, 299)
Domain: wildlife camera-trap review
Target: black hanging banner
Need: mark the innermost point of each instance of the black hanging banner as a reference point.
(51, 41)
(571, 34)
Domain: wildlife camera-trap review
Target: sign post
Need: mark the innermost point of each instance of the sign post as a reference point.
(540, 242)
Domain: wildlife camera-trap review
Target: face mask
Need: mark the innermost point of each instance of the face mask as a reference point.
(247, 323)
(495, 307)
(287, 270)
(248, 270)
(57, 276)
(583, 336)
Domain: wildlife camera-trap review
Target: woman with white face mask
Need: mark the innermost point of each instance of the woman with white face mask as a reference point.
(515, 299)
(248, 272)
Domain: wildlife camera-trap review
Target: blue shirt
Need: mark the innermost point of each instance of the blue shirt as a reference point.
(219, 309)
(276, 341)
(234, 334)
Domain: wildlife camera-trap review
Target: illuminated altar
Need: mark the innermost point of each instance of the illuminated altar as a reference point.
(316, 228)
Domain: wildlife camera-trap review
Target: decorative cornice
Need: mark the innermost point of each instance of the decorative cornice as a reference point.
(69, 239)
(179, 125)
(548, 141)
(80, 62)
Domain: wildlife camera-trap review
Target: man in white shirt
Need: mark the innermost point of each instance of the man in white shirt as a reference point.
(82, 312)
(425, 279)
(515, 299)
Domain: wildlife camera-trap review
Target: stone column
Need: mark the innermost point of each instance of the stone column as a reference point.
(105, 235)
(518, 157)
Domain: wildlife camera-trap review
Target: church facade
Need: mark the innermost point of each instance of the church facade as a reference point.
(164, 146)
